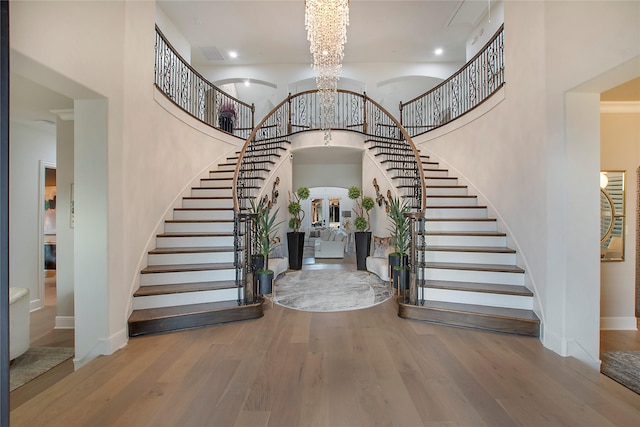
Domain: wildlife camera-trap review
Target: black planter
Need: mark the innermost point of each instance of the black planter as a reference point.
(363, 246)
(258, 262)
(295, 244)
(401, 276)
(396, 261)
(225, 122)
(265, 282)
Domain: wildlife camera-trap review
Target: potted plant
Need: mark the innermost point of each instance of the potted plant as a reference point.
(295, 238)
(266, 230)
(361, 208)
(227, 116)
(400, 238)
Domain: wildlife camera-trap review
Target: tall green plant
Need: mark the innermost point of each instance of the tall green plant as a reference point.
(401, 225)
(362, 206)
(266, 229)
(295, 208)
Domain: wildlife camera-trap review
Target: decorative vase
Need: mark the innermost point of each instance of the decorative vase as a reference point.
(295, 244)
(265, 282)
(363, 246)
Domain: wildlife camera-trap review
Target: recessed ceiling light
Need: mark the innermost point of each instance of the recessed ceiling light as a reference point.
(233, 54)
(438, 51)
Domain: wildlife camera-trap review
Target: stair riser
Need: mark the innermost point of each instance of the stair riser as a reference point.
(447, 191)
(194, 242)
(198, 227)
(190, 258)
(460, 226)
(203, 215)
(211, 192)
(187, 277)
(493, 277)
(224, 174)
(479, 298)
(171, 300)
(445, 213)
(471, 257)
(439, 173)
(440, 181)
(451, 201)
(490, 241)
(229, 168)
(207, 203)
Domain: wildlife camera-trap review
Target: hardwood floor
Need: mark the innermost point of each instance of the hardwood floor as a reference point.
(358, 368)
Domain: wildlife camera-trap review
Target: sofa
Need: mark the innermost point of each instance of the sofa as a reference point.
(330, 243)
(19, 322)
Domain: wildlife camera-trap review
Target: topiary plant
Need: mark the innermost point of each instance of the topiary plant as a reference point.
(362, 206)
(295, 208)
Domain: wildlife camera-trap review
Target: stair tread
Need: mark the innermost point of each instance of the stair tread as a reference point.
(459, 219)
(466, 233)
(197, 221)
(490, 249)
(180, 310)
(191, 250)
(213, 188)
(451, 196)
(480, 287)
(457, 207)
(194, 234)
(151, 290)
(203, 209)
(208, 197)
(507, 313)
(476, 267)
(179, 268)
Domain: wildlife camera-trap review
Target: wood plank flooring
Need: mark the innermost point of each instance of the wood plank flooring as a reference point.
(359, 368)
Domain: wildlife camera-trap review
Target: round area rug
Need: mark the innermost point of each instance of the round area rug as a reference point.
(330, 290)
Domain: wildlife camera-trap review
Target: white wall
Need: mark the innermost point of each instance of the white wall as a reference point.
(65, 233)
(29, 146)
(551, 49)
(620, 150)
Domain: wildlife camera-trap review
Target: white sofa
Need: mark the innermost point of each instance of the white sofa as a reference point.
(19, 322)
(331, 243)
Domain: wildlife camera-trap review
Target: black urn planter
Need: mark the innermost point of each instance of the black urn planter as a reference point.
(363, 246)
(396, 261)
(265, 282)
(401, 278)
(295, 244)
(258, 262)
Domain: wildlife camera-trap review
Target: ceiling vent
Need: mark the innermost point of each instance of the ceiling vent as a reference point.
(211, 53)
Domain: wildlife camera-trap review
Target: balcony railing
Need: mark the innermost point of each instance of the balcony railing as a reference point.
(194, 94)
(469, 87)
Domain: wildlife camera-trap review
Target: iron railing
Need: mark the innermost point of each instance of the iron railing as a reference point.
(196, 95)
(480, 78)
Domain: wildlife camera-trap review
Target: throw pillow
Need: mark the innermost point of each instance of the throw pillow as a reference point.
(276, 251)
(381, 246)
(324, 234)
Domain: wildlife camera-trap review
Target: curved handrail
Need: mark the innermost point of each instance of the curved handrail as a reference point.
(463, 91)
(288, 101)
(193, 93)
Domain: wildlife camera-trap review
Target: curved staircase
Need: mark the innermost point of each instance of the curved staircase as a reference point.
(190, 280)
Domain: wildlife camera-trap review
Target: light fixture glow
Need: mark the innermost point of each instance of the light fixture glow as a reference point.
(233, 54)
(326, 22)
(438, 51)
(247, 83)
(604, 180)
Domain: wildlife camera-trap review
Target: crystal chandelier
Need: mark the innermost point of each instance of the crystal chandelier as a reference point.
(326, 23)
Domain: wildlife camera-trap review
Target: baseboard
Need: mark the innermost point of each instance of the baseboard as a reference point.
(555, 343)
(65, 322)
(103, 347)
(618, 324)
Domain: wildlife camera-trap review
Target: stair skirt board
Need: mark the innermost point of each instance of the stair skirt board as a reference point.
(171, 278)
(493, 277)
(195, 319)
(477, 298)
(184, 298)
(193, 241)
(190, 258)
(467, 257)
(470, 319)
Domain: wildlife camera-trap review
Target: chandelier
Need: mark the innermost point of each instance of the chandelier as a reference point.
(326, 23)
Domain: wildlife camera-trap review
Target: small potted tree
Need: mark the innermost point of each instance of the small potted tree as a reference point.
(266, 231)
(400, 238)
(361, 208)
(295, 238)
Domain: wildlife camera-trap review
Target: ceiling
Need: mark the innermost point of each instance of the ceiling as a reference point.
(273, 32)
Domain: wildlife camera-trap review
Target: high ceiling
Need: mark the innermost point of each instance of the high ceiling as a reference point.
(267, 32)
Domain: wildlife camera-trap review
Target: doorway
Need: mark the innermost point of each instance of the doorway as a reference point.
(325, 212)
(48, 236)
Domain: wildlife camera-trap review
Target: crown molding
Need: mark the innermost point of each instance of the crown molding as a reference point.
(620, 107)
